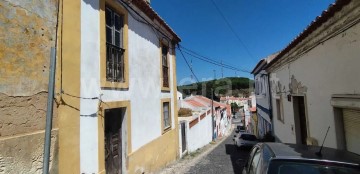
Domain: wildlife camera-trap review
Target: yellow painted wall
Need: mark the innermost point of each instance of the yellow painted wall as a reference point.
(154, 155)
(69, 82)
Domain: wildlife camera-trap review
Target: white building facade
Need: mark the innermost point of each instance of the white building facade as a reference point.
(131, 68)
(263, 96)
(315, 82)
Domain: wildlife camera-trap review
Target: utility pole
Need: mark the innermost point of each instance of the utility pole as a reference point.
(222, 70)
(212, 113)
(214, 74)
(191, 75)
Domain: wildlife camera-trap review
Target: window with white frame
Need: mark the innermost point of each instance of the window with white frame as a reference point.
(166, 115)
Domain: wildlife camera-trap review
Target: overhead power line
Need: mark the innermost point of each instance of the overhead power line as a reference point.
(233, 31)
(188, 64)
(211, 61)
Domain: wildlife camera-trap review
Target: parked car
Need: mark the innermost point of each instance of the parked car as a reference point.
(240, 128)
(279, 158)
(245, 140)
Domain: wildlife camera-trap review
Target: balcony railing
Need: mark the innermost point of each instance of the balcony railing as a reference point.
(114, 63)
(165, 77)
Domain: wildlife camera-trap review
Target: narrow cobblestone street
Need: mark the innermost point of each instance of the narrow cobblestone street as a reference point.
(221, 157)
(225, 158)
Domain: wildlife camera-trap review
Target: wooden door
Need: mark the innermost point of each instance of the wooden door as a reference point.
(113, 141)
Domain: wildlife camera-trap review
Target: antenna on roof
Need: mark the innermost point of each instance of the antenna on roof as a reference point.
(319, 153)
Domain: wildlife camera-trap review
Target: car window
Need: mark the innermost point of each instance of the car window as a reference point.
(266, 158)
(253, 150)
(282, 167)
(254, 163)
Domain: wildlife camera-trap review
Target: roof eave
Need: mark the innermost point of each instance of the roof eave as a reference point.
(324, 17)
(150, 12)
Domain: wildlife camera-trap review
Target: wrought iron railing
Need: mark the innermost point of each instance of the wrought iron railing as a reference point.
(114, 63)
(165, 76)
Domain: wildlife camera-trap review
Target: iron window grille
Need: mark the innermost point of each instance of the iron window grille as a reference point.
(166, 110)
(165, 66)
(114, 46)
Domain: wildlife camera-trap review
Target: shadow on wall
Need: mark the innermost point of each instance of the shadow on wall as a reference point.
(94, 4)
(54, 168)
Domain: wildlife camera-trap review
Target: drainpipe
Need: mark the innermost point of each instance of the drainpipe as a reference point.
(270, 103)
(49, 112)
(212, 113)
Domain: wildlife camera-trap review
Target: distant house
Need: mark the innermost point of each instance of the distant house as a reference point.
(240, 101)
(222, 112)
(263, 96)
(315, 81)
(195, 128)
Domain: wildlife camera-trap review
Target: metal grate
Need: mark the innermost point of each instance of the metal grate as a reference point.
(165, 77)
(114, 63)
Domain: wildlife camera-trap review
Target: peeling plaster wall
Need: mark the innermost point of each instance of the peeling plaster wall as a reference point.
(21, 115)
(24, 154)
(28, 31)
(25, 46)
(330, 68)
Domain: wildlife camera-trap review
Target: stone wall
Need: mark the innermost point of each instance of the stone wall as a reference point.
(28, 32)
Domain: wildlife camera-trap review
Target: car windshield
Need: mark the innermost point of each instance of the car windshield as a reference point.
(248, 137)
(282, 167)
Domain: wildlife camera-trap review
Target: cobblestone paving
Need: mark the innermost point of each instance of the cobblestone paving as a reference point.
(225, 158)
(221, 157)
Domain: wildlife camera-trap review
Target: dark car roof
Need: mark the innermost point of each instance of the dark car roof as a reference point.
(306, 152)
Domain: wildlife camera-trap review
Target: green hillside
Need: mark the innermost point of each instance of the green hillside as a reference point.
(229, 86)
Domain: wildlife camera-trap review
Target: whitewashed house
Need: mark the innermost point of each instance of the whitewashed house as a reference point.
(120, 60)
(263, 96)
(315, 81)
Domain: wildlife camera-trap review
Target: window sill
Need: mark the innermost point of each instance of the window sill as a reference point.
(166, 130)
(115, 85)
(166, 89)
(281, 121)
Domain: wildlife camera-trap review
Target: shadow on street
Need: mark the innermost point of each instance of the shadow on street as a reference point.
(238, 157)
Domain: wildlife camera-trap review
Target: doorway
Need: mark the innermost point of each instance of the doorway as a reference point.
(300, 119)
(113, 140)
(183, 137)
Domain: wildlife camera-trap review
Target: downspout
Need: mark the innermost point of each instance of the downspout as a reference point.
(270, 103)
(50, 103)
(49, 112)
(212, 114)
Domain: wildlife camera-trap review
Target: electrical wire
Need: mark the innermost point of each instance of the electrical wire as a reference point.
(86, 98)
(144, 21)
(211, 61)
(188, 64)
(233, 31)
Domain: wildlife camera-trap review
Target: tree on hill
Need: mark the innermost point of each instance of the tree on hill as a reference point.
(230, 86)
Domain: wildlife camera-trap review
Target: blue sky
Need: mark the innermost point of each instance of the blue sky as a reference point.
(264, 27)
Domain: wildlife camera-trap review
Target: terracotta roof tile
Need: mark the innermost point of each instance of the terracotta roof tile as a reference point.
(194, 103)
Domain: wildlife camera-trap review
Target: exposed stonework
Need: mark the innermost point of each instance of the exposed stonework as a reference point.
(24, 154)
(296, 87)
(23, 114)
(29, 31)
